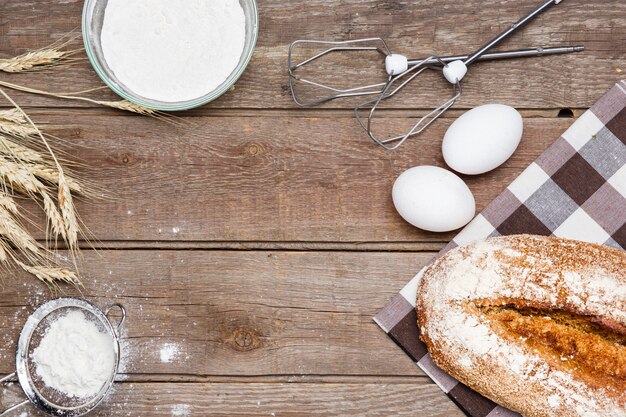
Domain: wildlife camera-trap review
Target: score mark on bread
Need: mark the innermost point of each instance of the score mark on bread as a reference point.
(536, 324)
(573, 343)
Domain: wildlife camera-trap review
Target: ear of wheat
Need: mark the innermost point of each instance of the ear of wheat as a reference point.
(16, 130)
(9, 148)
(35, 173)
(51, 275)
(54, 54)
(124, 105)
(58, 54)
(29, 167)
(12, 115)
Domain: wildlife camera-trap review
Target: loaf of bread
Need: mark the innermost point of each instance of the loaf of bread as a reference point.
(536, 324)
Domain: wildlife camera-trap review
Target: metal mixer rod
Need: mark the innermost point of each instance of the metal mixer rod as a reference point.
(376, 88)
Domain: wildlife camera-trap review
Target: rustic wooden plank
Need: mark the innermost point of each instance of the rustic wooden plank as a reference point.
(234, 313)
(262, 245)
(418, 26)
(259, 179)
(275, 400)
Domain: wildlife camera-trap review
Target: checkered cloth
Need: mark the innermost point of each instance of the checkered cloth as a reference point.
(576, 189)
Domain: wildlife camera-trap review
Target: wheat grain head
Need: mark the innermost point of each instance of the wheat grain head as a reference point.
(17, 130)
(13, 116)
(55, 220)
(51, 275)
(128, 106)
(19, 152)
(30, 60)
(16, 235)
(68, 212)
(14, 175)
(51, 175)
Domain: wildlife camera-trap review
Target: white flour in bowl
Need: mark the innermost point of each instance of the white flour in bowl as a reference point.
(74, 357)
(173, 50)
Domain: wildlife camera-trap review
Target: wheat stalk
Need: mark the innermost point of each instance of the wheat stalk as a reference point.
(8, 204)
(67, 210)
(13, 116)
(3, 252)
(64, 223)
(119, 104)
(29, 60)
(30, 171)
(51, 175)
(23, 178)
(51, 275)
(125, 105)
(20, 177)
(50, 55)
(13, 232)
(64, 195)
(20, 152)
(17, 130)
(34, 172)
(55, 220)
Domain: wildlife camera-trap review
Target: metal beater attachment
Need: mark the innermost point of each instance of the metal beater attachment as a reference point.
(376, 45)
(399, 71)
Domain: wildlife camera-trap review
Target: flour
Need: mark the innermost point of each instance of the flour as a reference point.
(169, 352)
(74, 357)
(173, 50)
(181, 410)
(554, 401)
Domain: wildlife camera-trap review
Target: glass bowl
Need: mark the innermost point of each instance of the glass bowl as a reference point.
(93, 16)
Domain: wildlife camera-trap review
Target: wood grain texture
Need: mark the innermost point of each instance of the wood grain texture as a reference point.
(212, 313)
(280, 178)
(251, 242)
(411, 27)
(271, 399)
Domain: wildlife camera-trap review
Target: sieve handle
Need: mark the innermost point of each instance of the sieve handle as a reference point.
(15, 406)
(8, 377)
(121, 322)
(9, 410)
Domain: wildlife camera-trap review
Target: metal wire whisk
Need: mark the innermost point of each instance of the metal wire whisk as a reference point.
(401, 71)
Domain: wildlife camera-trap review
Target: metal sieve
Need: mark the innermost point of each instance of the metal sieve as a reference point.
(46, 398)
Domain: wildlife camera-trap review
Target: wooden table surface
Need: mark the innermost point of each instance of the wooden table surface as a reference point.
(253, 244)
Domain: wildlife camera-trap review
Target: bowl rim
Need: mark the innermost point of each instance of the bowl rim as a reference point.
(174, 106)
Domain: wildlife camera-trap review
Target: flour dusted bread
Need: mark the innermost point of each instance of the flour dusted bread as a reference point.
(536, 324)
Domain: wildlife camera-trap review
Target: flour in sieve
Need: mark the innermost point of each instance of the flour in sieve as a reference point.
(173, 50)
(74, 357)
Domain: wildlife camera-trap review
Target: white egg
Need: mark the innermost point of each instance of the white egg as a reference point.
(482, 139)
(433, 199)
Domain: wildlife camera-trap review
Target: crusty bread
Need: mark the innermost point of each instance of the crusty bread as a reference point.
(536, 324)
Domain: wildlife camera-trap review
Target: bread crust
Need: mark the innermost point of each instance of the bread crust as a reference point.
(536, 324)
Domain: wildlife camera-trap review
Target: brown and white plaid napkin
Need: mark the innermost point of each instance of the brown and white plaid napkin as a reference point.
(576, 189)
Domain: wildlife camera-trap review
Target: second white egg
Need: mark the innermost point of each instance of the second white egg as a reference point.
(482, 139)
(433, 199)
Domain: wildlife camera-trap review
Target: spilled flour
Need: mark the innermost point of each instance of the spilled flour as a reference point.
(169, 352)
(181, 410)
(74, 357)
(173, 50)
